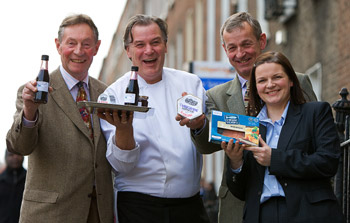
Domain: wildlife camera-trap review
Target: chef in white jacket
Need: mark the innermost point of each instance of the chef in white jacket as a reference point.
(157, 167)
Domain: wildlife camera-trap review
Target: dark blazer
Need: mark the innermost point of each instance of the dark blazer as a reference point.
(227, 97)
(64, 163)
(11, 193)
(304, 161)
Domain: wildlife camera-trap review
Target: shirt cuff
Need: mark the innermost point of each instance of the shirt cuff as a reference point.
(29, 124)
(237, 170)
(127, 156)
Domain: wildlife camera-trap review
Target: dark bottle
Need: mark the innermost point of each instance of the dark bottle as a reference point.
(42, 81)
(132, 91)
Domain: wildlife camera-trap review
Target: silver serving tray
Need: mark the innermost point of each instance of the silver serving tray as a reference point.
(91, 106)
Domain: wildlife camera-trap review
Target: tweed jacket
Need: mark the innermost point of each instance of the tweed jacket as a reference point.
(228, 97)
(64, 163)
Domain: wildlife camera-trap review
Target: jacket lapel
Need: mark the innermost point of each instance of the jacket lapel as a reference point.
(292, 120)
(261, 169)
(235, 100)
(65, 101)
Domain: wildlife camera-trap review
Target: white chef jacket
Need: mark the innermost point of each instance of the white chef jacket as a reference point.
(165, 162)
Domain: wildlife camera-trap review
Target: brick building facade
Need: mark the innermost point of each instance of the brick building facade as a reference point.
(311, 33)
(316, 44)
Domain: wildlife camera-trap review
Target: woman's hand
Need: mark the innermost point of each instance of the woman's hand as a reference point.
(261, 154)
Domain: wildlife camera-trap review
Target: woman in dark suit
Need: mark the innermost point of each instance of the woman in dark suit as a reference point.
(287, 178)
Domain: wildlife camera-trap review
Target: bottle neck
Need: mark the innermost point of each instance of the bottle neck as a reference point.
(133, 75)
(44, 65)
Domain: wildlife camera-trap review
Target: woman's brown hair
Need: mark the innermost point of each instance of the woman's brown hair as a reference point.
(296, 93)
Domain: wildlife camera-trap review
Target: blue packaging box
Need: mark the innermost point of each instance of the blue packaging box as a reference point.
(224, 126)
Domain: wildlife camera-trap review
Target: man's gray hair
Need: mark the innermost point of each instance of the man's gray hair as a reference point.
(236, 21)
(144, 20)
(75, 20)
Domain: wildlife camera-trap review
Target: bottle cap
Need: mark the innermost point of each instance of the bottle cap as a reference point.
(44, 57)
(134, 68)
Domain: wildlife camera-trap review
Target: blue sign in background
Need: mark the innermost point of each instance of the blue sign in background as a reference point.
(211, 82)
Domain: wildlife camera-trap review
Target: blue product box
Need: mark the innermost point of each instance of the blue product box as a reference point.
(224, 126)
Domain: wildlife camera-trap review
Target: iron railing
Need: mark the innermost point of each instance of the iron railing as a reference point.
(342, 179)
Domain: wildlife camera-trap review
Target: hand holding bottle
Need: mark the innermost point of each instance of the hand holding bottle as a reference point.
(28, 94)
(36, 92)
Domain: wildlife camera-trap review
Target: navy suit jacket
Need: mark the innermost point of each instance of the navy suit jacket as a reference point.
(304, 161)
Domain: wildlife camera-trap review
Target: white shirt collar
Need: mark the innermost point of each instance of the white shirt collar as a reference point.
(242, 81)
(71, 81)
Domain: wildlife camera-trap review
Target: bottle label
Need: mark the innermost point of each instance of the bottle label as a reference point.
(129, 98)
(42, 86)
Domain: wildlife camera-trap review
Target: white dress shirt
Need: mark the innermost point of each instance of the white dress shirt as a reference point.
(71, 83)
(165, 162)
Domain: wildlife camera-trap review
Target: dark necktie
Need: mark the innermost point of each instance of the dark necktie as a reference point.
(82, 96)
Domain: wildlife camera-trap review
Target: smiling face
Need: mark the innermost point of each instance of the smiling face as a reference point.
(77, 49)
(273, 85)
(147, 51)
(242, 48)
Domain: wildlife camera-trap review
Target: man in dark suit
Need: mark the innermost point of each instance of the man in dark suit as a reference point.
(69, 178)
(11, 188)
(242, 40)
